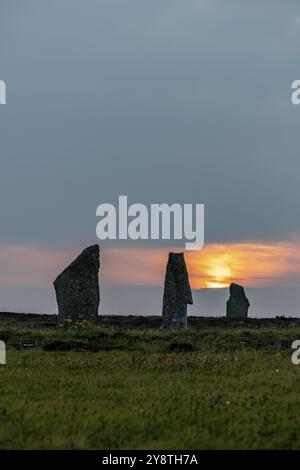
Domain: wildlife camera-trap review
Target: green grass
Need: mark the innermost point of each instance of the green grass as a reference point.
(207, 388)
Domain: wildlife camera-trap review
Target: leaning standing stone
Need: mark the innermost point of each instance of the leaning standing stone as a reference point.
(237, 304)
(177, 293)
(77, 288)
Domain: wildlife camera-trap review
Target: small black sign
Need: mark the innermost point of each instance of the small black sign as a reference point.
(28, 344)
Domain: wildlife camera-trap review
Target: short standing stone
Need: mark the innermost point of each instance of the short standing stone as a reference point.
(177, 293)
(237, 304)
(77, 288)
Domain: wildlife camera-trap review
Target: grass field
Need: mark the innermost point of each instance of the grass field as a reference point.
(127, 385)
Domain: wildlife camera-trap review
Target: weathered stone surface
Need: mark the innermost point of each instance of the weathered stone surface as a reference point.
(237, 304)
(177, 293)
(77, 287)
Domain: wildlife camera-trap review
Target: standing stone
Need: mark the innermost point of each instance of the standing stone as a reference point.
(177, 293)
(237, 305)
(77, 288)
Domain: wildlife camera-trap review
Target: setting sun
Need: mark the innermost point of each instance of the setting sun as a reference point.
(216, 284)
(219, 272)
(251, 264)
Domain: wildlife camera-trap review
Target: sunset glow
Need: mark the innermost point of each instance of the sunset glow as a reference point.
(251, 264)
(218, 271)
(216, 266)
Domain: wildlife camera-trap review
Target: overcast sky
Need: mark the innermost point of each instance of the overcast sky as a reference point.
(161, 100)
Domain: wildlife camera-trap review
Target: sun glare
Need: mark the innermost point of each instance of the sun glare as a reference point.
(216, 284)
(218, 271)
(251, 264)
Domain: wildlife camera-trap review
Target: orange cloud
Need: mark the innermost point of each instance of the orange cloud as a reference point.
(217, 265)
(138, 266)
(253, 264)
(30, 266)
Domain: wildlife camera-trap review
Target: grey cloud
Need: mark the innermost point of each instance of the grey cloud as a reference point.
(162, 101)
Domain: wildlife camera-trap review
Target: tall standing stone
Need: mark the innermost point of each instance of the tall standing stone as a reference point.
(177, 293)
(237, 305)
(77, 288)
